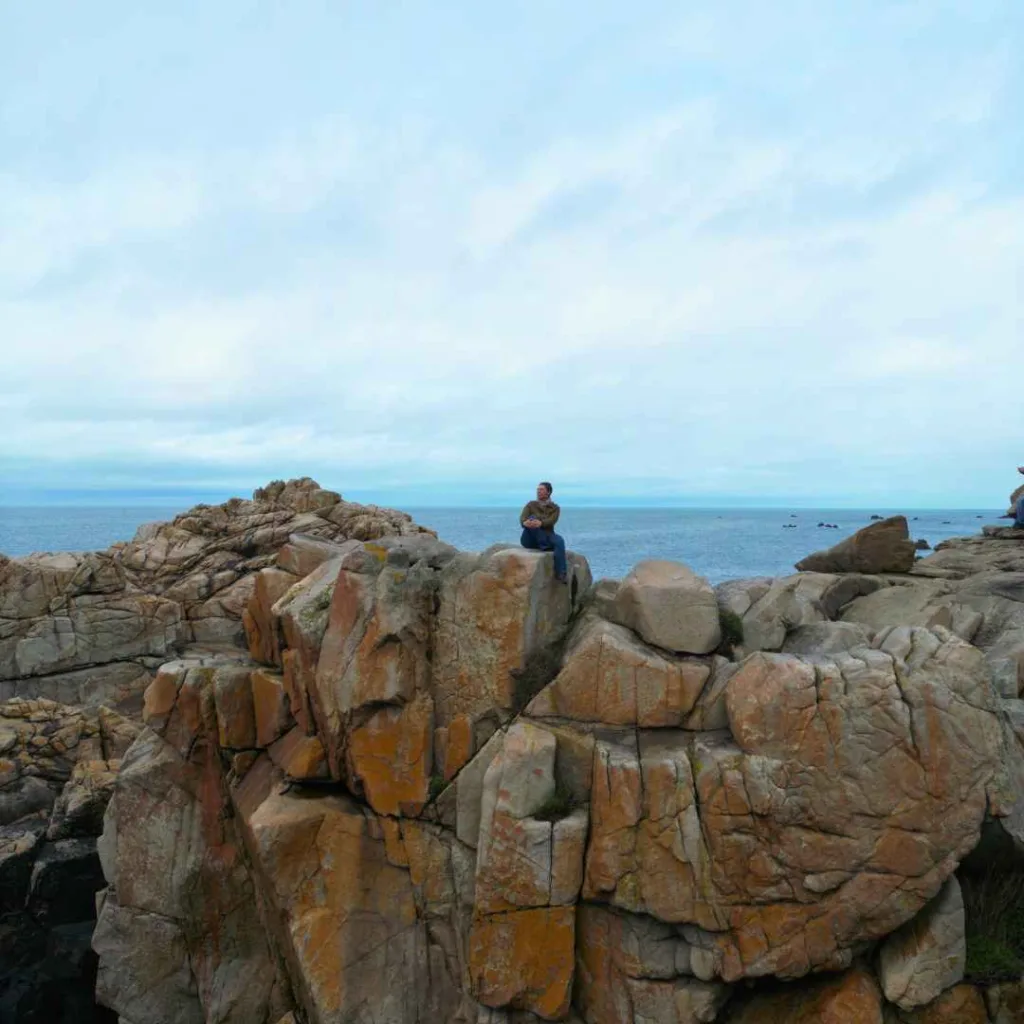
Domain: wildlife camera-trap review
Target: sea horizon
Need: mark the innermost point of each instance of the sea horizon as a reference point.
(718, 541)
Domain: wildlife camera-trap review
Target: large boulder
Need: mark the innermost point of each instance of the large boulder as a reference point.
(670, 606)
(610, 676)
(884, 546)
(827, 822)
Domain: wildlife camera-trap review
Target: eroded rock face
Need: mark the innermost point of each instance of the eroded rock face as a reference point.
(884, 546)
(446, 771)
(833, 815)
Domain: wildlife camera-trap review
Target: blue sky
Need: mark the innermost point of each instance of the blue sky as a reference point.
(432, 252)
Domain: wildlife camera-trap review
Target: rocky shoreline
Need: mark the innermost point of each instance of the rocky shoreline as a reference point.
(352, 774)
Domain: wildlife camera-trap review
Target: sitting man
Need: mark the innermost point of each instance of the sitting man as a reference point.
(538, 520)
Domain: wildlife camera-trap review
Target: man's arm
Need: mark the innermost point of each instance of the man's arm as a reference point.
(526, 514)
(549, 517)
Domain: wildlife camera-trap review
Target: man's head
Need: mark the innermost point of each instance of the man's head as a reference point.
(544, 490)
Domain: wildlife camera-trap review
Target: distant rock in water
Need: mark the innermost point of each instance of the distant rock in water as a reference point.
(884, 546)
(922, 545)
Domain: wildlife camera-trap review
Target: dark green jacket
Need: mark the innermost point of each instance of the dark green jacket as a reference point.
(546, 511)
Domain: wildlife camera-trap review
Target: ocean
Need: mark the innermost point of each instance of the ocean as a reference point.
(718, 543)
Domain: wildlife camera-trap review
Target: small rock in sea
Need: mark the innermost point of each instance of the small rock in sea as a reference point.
(876, 517)
(820, 525)
(922, 545)
(793, 515)
(947, 522)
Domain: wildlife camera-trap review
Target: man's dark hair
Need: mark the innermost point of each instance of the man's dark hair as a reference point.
(544, 483)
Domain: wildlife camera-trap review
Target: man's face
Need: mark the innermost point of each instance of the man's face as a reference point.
(542, 493)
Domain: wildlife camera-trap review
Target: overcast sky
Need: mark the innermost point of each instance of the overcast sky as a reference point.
(432, 252)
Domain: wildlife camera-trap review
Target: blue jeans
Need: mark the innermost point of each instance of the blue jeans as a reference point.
(536, 538)
(1019, 521)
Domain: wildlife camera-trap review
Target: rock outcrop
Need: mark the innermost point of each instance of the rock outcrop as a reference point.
(537, 802)
(92, 628)
(381, 780)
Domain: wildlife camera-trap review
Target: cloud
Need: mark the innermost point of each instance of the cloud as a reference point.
(641, 290)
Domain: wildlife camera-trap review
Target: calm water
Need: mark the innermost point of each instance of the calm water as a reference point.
(718, 543)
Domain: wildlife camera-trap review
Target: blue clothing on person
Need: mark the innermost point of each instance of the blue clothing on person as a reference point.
(1019, 518)
(536, 538)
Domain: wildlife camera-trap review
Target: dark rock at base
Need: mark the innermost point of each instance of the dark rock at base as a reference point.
(57, 986)
(881, 547)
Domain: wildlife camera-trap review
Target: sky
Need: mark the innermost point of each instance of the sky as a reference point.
(429, 253)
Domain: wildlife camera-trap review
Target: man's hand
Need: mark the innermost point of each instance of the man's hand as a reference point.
(532, 524)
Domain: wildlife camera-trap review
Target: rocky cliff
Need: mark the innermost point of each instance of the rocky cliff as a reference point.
(79, 632)
(444, 787)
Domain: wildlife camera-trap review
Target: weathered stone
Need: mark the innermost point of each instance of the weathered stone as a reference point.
(349, 917)
(173, 856)
(524, 960)
(826, 638)
(523, 860)
(610, 677)
(794, 601)
(500, 616)
(303, 613)
(632, 968)
(884, 546)
(233, 699)
(829, 824)
(928, 954)
(144, 967)
(960, 1005)
(302, 555)
(271, 707)
(390, 757)
(262, 626)
(299, 756)
(852, 998)
(670, 606)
